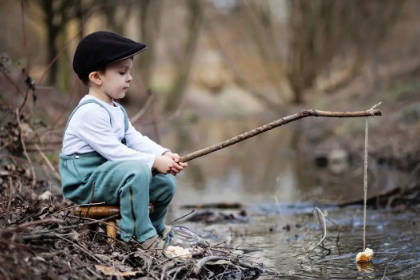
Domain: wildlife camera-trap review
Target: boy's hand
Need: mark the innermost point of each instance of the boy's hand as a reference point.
(178, 166)
(163, 164)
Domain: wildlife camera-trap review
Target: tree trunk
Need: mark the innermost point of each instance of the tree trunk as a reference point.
(184, 63)
(150, 17)
(52, 33)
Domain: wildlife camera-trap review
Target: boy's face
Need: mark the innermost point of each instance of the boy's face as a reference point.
(116, 78)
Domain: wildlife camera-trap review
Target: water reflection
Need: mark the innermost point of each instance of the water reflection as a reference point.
(244, 172)
(275, 166)
(365, 267)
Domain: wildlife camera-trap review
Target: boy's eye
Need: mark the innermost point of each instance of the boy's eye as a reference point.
(122, 73)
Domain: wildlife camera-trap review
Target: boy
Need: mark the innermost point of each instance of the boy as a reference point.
(104, 158)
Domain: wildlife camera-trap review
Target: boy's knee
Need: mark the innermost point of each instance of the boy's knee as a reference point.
(171, 184)
(137, 169)
(168, 183)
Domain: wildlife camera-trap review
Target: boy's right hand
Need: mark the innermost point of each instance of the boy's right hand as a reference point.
(163, 164)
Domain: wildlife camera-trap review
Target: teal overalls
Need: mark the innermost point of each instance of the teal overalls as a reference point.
(89, 177)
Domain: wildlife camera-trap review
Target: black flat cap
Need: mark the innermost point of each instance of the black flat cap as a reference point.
(99, 49)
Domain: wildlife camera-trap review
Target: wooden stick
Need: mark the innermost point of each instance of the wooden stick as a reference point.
(97, 211)
(102, 211)
(300, 115)
(111, 232)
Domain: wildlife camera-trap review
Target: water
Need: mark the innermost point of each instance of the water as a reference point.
(283, 237)
(392, 236)
(275, 177)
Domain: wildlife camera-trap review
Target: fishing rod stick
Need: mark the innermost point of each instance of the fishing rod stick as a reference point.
(300, 115)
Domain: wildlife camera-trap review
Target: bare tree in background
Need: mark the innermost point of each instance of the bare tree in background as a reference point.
(321, 30)
(150, 12)
(56, 16)
(117, 12)
(183, 60)
(314, 38)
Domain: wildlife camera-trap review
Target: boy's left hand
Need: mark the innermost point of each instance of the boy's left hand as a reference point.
(179, 165)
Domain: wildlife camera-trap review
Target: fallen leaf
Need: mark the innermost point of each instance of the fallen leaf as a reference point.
(178, 252)
(45, 195)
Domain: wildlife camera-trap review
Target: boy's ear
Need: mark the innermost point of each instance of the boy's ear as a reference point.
(95, 77)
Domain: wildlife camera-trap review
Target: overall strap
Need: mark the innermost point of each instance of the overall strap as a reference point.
(126, 121)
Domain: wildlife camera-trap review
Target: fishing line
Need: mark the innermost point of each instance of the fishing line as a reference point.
(362, 258)
(365, 183)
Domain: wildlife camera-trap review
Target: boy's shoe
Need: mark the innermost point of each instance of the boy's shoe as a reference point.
(153, 243)
(167, 233)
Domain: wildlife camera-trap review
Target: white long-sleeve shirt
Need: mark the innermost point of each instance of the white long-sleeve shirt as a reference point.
(90, 129)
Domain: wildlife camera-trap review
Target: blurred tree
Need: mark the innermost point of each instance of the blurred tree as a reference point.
(322, 30)
(56, 16)
(183, 60)
(297, 42)
(150, 20)
(117, 12)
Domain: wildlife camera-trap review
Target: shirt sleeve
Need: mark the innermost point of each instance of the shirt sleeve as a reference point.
(94, 128)
(141, 143)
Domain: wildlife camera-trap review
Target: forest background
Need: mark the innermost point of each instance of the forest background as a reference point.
(221, 60)
(212, 69)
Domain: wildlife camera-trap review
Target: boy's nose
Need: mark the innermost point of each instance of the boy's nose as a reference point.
(129, 78)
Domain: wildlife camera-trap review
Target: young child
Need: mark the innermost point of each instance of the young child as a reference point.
(104, 158)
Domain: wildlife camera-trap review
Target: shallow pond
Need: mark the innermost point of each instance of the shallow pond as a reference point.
(276, 179)
(283, 237)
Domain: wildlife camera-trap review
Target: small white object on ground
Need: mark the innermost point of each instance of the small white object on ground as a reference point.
(365, 256)
(178, 252)
(45, 195)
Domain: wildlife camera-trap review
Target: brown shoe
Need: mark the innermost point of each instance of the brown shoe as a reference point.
(153, 243)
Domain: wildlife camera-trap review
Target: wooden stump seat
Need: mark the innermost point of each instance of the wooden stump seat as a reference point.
(103, 212)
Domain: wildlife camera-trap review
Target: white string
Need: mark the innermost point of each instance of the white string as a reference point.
(365, 183)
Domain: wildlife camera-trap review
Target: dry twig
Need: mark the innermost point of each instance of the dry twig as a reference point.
(323, 223)
(306, 113)
(22, 142)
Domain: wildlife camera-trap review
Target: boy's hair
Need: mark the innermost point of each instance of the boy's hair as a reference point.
(103, 69)
(86, 79)
(95, 51)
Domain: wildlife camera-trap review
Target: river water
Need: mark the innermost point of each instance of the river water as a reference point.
(275, 178)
